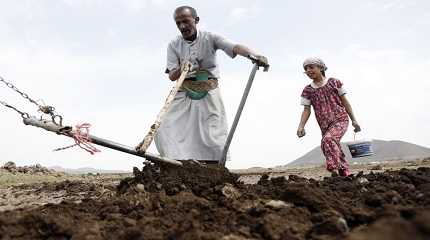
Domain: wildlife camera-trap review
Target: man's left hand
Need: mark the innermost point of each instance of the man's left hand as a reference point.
(262, 61)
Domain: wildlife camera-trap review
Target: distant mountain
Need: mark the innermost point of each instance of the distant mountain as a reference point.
(84, 170)
(384, 151)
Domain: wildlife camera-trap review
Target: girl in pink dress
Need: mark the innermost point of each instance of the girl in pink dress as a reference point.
(327, 96)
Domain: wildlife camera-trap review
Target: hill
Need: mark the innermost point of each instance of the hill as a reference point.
(384, 151)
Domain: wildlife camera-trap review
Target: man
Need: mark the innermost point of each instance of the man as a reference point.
(195, 126)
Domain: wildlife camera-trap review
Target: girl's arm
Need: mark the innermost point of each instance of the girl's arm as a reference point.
(348, 108)
(305, 116)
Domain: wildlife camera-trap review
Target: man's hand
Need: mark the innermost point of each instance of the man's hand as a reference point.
(260, 60)
(301, 132)
(185, 64)
(176, 73)
(356, 126)
(255, 58)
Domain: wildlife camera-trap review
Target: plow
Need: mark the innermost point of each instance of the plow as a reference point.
(80, 133)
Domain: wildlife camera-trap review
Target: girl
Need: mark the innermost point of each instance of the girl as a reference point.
(327, 96)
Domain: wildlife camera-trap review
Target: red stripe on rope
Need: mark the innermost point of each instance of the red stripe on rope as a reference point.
(81, 135)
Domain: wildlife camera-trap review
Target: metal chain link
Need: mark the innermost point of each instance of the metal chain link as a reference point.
(42, 108)
(23, 114)
(24, 95)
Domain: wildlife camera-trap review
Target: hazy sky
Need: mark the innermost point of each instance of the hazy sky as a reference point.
(102, 62)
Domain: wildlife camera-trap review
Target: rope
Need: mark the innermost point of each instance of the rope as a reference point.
(81, 135)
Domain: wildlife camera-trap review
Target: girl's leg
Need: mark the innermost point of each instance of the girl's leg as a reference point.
(331, 148)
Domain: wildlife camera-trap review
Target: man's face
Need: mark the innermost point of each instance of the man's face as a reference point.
(186, 24)
(313, 71)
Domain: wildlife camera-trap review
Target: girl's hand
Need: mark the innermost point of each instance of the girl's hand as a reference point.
(356, 126)
(301, 132)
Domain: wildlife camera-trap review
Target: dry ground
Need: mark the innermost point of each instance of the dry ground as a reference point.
(385, 201)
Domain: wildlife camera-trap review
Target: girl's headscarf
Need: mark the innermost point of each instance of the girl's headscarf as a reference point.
(315, 61)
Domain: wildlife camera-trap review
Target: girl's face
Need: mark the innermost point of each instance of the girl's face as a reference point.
(313, 71)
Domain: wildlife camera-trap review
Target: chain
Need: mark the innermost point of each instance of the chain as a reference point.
(24, 95)
(57, 119)
(23, 114)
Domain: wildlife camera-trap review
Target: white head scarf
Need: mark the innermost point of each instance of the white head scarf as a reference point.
(315, 61)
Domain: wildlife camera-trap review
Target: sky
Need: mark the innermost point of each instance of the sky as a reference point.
(102, 62)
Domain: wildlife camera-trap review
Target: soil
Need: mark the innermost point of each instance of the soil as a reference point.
(195, 202)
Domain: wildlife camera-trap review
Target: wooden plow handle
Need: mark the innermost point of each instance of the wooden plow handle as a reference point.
(147, 140)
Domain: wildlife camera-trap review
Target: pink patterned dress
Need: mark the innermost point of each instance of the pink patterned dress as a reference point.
(333, 120)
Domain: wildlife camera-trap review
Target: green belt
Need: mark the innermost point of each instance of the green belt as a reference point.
(200, 92)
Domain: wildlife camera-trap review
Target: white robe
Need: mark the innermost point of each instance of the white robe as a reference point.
(193, 129)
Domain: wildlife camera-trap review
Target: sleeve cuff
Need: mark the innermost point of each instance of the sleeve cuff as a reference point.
(229, 50)
(341, 91)
(171, 67)
(305, 101)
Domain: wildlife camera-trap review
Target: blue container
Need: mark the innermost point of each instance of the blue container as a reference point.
(360, 148)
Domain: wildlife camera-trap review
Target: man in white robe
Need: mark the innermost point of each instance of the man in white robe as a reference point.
(196, 128)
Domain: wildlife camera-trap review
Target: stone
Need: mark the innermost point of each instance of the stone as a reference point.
(230, 191)
(140, 187)
(9, 165)
(233, 237)
(278, 204)
(362, 180)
